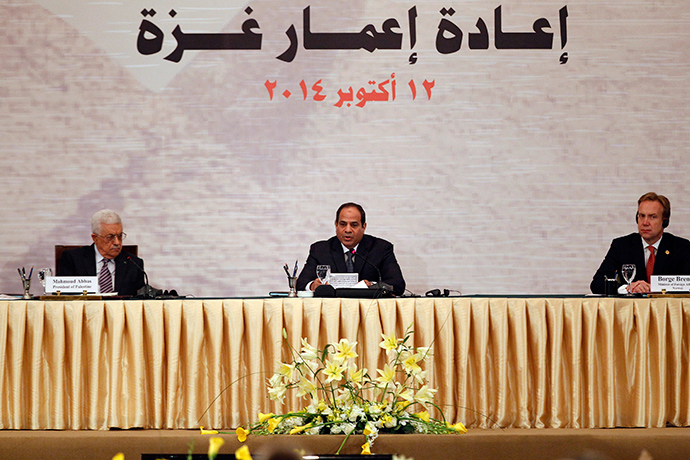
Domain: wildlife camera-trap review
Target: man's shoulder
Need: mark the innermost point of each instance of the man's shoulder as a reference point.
(632, 238)
(671, 239)
(80, 251)
(124, 256)
(327, 242)
(374, 241)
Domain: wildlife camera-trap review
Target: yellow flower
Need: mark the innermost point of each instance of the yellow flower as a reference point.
(119, 456)
(306, 387)
(423, 415)
(387, 420)
(243, 453)
(366, 449)
(309, 353)
(299, 429)
(345, 350)
(356, 376)
(241, 434)
(389, 343)
(207, 431)
(425, 353)
(405, 393)
(409, 362)
(400, 405)
(424, 395)
(264, 417)
(369, 428)
(459, 427)
(419, 377)
(286, 370)
(272, 424)
(214, 445)
(333, 371)
(277, 393)
(387, 374)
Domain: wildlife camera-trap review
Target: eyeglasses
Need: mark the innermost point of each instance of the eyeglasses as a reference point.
(111, 237)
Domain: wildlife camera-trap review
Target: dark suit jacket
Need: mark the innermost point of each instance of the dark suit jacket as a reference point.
(377, 251)
(82, 262)
(672, 258)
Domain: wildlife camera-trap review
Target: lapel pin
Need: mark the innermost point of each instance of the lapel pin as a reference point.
(667, 252)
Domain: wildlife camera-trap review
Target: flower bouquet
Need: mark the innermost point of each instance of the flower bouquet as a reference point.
(346, 399)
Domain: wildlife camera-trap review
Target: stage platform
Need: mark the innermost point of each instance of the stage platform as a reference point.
(477, 444)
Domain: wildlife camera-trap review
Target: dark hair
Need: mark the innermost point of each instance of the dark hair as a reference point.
(651, 196)
(362, 214)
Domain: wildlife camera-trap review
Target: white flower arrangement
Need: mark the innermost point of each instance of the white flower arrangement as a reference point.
(345, 399)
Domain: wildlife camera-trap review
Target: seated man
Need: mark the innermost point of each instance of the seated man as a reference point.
(116, 269)
(651, 250)
(364, 252)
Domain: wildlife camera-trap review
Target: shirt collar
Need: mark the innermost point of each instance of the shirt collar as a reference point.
(99, 258)
(346, 249)
(655, 245)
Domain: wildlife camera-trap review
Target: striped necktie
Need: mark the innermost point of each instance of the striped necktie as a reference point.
(105, 279)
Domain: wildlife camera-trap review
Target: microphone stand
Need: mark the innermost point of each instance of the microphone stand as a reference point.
(380, 285)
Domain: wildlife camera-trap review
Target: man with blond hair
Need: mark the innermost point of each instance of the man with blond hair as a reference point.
(117, 270)
(650, 249)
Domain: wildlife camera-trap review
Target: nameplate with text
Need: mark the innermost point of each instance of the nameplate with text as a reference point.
(670, 283)
(72, 284)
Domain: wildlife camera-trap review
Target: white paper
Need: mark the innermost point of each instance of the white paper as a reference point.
(343, 280)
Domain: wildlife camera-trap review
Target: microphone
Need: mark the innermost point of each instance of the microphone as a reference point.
(380, 284)
(148, 290)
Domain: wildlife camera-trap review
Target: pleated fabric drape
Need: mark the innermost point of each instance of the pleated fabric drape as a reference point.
(497, 362)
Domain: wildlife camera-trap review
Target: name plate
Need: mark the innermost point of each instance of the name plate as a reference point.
(72, 284)
(343, 280)
(672, 283)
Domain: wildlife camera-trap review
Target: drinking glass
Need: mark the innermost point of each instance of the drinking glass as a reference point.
(42, 275)
(628, 271)
(323, 272)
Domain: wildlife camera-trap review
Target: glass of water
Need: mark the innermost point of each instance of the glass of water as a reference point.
(323, 272)
(42, 275)
(628, 271)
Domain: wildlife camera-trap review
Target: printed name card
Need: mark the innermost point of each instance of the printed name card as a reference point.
(343, 280)
(674, 283)
(72, 284)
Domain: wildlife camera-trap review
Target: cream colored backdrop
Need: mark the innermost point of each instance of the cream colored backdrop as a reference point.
(512, 178)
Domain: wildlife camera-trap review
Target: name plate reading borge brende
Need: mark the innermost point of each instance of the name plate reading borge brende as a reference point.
(670, 283)
(72, 284)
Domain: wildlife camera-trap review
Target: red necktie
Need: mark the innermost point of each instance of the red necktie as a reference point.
(650, 263)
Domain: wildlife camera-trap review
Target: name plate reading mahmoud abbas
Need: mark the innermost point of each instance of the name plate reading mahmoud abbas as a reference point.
(343, 280)
(670, 283)
(72, 284)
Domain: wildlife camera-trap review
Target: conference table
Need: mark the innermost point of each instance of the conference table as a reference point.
(525, 361)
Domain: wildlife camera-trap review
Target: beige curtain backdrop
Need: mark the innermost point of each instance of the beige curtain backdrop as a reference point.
(498, 362)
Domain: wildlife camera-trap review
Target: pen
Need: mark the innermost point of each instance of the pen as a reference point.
(294, 273)
(31, 272)
(19, 270)
(287, 270)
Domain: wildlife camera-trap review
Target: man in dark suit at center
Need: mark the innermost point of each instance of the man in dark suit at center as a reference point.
(115, 268)
(651, 250)
(350, 250)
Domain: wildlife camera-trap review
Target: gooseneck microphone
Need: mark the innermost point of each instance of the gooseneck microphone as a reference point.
(148, 294)
(380, 284)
